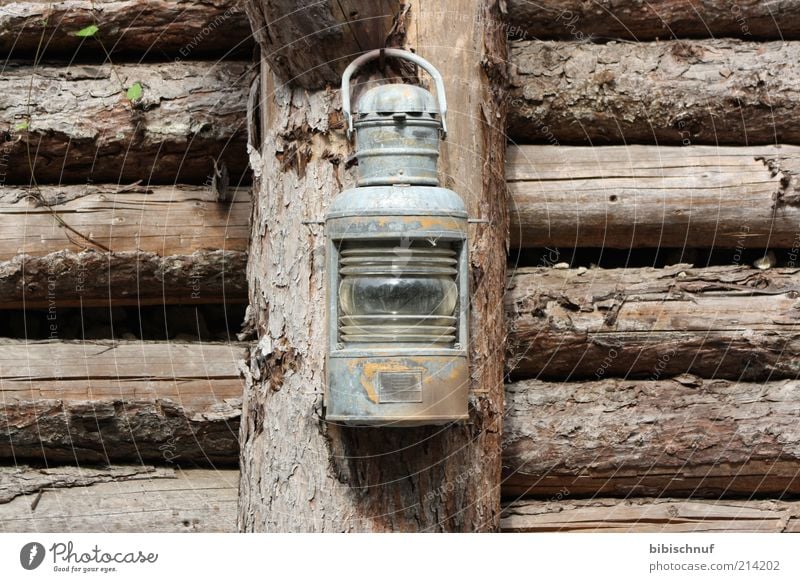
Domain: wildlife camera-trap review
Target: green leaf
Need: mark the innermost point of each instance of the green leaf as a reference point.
(22, 125)
(90, 30)
(135, 92)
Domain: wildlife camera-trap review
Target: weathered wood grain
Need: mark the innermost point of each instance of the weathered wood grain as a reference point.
(670, 93)
(679, 437)
(729, 322)
(94, 278)
(165, 220)
(76, 124)
(104, 401)
(299, 473)
(310, 42)
(133, 499)
(650, 196)
(651, 515)
(24, 480)
(654, 19)
(145, 28)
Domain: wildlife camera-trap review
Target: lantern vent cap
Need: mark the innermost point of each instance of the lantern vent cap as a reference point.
(397, 201)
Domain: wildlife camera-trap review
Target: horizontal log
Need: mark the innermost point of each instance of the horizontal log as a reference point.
(104, 401)
(83, 123)
(717, 322)
(655, 19)
(651, 515)
(24, 480)
(166, 220)
(670, 93)
(650, 196)
(145, 28)
(677, 437)
(91, 279)
(136, 499)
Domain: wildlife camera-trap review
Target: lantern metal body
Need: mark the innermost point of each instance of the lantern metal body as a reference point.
(397, 279)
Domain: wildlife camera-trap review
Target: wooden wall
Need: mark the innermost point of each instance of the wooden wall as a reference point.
(651, 308)
(652, 319)
(125, 184)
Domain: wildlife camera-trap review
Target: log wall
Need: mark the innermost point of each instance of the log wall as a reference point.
(123, 157)
(672, 387)
(103, 402)
(611, 409)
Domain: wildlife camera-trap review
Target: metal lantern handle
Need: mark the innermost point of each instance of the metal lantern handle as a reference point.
(400, 54)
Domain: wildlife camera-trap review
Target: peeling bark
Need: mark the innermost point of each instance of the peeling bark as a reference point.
(148, 28)
(681, 437)
(718, 322)
(77, 124)
(91, 278)
(102, 402)
(650, 196)
(655, 19)
(670, 93)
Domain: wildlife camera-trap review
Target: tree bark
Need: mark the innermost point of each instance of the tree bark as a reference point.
(718, 322)
(681, 437)
(310, 42)
(75, 500)
(651, 515)
(91, 279)
(146, 28)
(166, 221)
(79, 125)
(654, 19)
(299, 473)
(102, 402)
(650, 196)
(670, 93)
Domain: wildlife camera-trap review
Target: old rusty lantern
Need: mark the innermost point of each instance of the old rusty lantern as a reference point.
(397, 266)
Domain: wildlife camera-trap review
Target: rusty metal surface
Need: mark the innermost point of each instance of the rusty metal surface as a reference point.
(434, 390)
(402, 378)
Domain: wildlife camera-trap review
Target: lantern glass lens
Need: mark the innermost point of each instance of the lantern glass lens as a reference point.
(398, 292)
(378, 295)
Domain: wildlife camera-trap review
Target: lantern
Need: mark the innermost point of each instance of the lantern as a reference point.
(397, 288)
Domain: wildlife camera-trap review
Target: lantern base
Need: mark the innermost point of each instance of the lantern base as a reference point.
(397, 390)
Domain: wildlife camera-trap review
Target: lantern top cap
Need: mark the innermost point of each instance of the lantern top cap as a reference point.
(395, 53)
(397, 98)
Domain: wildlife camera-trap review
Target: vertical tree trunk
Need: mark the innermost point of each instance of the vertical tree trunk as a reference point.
(297, 472)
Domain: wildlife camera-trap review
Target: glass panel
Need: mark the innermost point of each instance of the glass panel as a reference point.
(400, 291)
(376, 295)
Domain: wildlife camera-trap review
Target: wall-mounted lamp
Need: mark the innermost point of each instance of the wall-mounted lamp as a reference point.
(397, 288)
